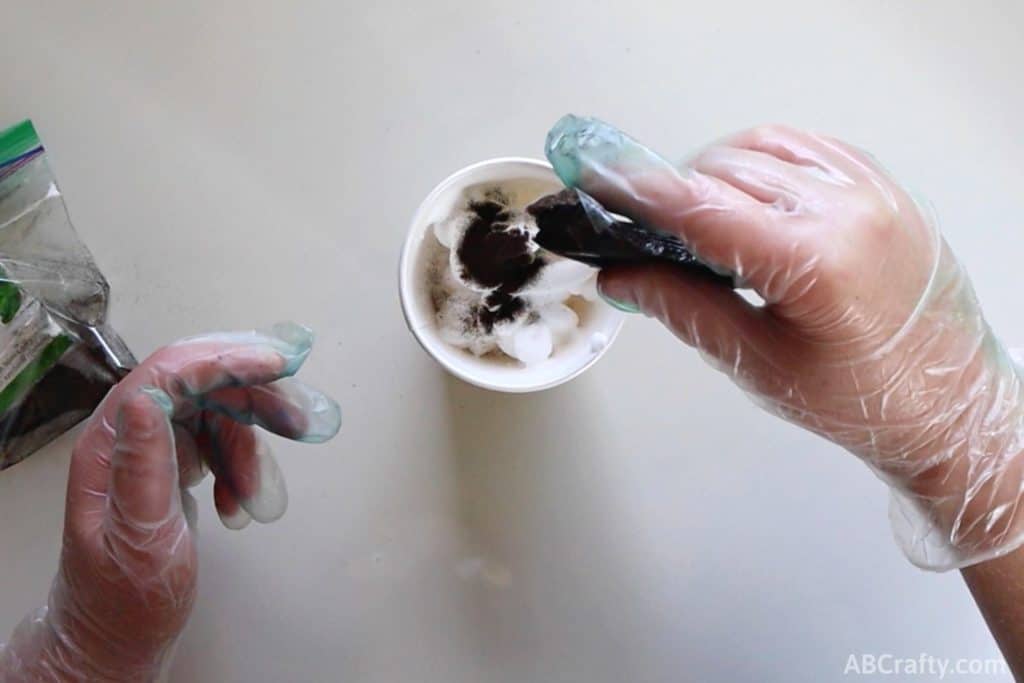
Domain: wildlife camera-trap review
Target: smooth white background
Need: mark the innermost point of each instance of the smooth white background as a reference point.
(236, 162)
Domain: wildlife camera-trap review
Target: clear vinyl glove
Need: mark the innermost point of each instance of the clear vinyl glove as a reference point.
(127, 576)
(870, 334)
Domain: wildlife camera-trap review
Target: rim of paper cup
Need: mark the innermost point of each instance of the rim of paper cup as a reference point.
(421, 329)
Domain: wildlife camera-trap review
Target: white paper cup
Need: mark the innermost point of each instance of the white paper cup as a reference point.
(599, 326)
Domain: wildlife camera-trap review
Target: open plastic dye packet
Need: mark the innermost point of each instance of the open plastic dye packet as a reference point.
(573, 224)
(58, 357)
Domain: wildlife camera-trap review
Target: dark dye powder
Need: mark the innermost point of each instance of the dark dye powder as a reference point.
(497, 256)
(65, 395)
(496, 308)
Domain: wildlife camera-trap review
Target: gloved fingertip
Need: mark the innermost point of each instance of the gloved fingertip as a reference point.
(161, 398)
(562, 151)
(143, 465)
(269, 501)
(237, 521)
(616, 294)
(232, 515)
(296, 344)
(577, 143)
(620, 304)
(323, 420)
(293, 333)
(137, 422)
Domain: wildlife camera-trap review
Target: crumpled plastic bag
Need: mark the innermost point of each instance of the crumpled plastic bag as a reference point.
(58, 356)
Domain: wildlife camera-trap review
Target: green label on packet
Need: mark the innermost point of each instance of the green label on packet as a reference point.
(17, 140)
(30, 344)
(10, 301)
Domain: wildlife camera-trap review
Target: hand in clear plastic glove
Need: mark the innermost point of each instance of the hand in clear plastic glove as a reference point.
(870, 334)
(127, 574)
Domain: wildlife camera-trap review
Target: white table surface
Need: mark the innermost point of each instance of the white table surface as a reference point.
(232, 163)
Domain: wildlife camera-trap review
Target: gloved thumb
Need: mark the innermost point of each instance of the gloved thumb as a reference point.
(144, 491)
(722, 225)
(730, 332)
